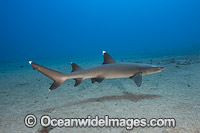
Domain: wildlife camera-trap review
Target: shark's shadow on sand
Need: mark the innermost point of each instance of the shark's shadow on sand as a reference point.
(126, 96)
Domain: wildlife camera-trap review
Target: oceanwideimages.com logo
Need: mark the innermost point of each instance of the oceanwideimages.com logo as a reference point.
(128, 123)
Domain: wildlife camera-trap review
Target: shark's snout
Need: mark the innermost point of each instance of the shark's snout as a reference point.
(161, 68)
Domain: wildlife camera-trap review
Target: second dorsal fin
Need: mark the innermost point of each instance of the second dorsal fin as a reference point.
(75, 67)
(107, 58)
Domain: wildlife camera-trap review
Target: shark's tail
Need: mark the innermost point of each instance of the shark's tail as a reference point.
(58, 77)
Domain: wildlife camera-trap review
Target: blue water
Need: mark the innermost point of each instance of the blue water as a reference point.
(35, 29)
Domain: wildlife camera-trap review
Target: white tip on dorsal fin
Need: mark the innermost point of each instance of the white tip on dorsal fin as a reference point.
(30, 62)
(107, 58)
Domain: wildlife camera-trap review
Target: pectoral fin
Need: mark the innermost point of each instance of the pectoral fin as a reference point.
(137, 78)
(99, 80)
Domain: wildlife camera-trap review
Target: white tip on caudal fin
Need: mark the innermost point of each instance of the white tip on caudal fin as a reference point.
(104, 52)
(56, 76)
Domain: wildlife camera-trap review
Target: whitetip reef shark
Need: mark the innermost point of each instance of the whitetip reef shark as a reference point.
(108, 70)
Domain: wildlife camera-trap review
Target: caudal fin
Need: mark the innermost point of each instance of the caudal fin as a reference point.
(56, 76)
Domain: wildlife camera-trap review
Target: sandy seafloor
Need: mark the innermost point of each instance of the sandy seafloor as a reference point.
(173, 93)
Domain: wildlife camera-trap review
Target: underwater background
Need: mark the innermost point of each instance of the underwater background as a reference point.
(54, 33)
(50, 28)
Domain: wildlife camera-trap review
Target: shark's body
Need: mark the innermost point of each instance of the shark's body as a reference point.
(109, 69)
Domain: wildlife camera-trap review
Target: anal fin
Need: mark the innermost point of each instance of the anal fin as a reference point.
(78, 81)
(137, 78)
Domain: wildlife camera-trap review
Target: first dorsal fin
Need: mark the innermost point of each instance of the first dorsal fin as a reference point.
(107, 58)
(75, 67)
